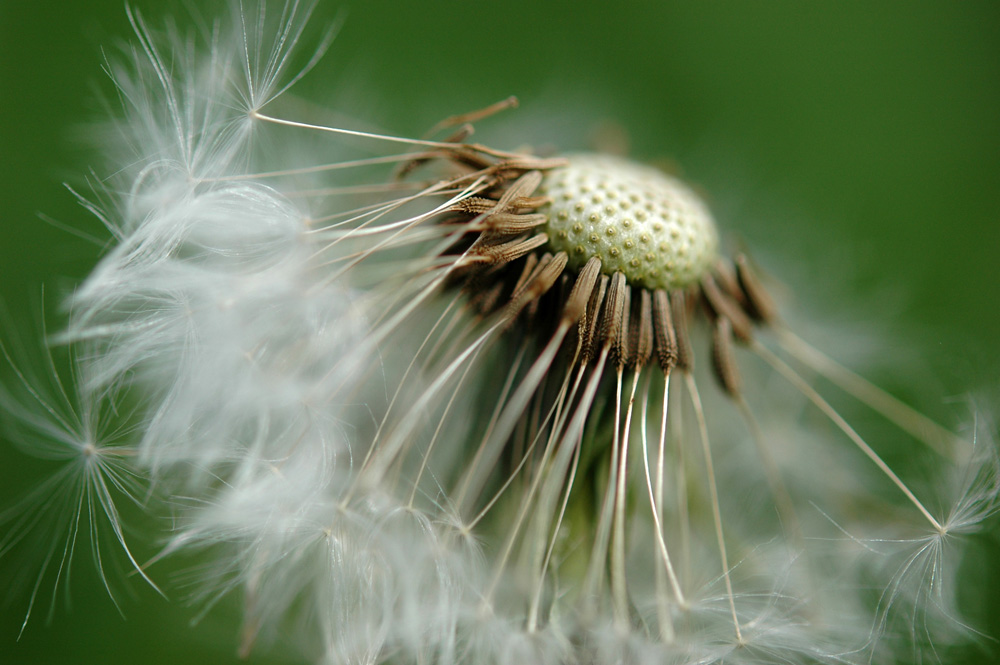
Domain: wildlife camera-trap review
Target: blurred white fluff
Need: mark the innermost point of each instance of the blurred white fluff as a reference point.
(273, 373)
(215, 302)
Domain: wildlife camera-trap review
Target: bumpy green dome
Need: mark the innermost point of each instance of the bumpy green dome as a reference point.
(650, 227)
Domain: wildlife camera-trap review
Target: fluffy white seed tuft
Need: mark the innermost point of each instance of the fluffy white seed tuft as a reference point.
(394, 469)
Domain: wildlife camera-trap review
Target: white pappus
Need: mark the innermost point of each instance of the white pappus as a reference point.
(431, 401)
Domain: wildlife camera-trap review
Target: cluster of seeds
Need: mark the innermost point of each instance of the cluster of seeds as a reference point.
(636, 220)
(618, 252)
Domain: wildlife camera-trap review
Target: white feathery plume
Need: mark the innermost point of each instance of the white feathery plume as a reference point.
(86, 433)
(412, 418)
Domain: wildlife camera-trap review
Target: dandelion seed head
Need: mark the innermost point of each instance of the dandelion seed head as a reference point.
(452, 414)
(638, 221)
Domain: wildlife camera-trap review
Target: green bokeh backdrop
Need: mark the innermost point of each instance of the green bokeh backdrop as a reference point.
(855, 143)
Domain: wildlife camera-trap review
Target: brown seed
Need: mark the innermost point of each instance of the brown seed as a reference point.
(723, 362)
(663, 327)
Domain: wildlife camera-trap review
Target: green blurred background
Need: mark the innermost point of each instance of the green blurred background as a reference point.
(853, 146)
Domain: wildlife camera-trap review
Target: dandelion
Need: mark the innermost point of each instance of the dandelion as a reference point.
(433, 401)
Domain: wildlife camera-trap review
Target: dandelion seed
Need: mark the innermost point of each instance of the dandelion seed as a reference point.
(79, 504)
(456, 412)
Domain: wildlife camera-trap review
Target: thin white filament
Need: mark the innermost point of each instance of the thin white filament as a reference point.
(793, 377)
(919, 426)
(619, 588)
(654, 502)
(714, 495)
